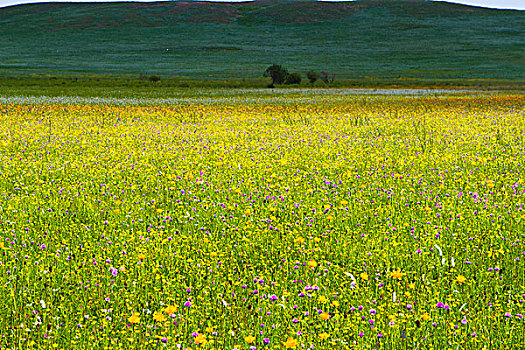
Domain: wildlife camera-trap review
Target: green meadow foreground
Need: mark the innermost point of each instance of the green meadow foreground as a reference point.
(301, 219)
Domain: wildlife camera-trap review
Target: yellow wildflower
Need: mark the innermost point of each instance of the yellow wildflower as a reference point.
(397, 274)
(290, 343)
(159, 317)
(200, 339)
(134, 318)
(299, 240)
(170, 309)
(312, 264)
(249, 339)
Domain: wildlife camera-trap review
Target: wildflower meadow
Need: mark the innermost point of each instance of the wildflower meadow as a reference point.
(299, 220)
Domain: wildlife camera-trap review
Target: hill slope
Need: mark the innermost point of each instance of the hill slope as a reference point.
(379, 38)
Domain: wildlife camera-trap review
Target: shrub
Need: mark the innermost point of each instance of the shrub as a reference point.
(154, 78)
(327, 77)
(312, 76)
(293, 78)
(277, 73)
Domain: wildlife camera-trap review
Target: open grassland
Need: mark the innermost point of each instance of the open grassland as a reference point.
(283, 220)
(129, 87)
(368, 41)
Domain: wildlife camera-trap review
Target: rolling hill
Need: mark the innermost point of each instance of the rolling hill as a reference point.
(383, 39)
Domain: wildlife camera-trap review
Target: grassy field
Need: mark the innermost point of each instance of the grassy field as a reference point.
(121, 87)
(366, 43)
(269, 219)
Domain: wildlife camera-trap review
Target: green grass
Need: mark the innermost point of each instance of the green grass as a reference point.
(129, 87)
(363, 42)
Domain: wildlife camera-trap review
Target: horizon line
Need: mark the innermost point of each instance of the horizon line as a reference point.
(11, 3)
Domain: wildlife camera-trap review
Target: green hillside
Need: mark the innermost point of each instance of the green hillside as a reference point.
(369, 38)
